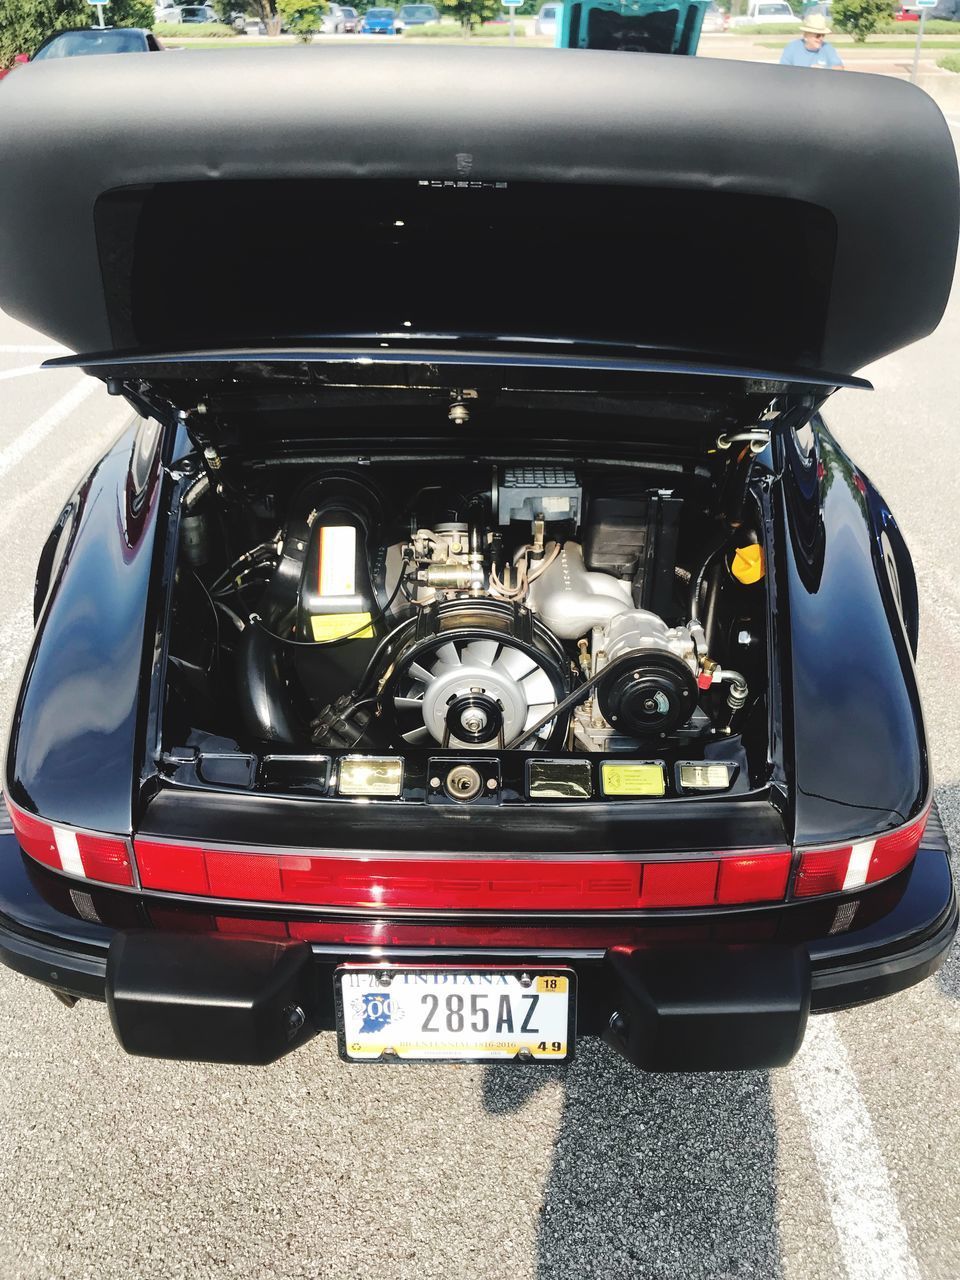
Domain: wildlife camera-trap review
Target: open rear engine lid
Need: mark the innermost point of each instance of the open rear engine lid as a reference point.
(706, 212)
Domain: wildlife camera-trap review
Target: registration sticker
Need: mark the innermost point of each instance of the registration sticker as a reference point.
(396, 1013)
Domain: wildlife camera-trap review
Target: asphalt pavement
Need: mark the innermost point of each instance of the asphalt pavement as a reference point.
(841, 1165)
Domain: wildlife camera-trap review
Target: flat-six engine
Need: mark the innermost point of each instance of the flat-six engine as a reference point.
(537, 614)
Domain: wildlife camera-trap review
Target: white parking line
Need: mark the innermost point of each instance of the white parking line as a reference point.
(18, 449)
(873, 1239)
(35, 349)
(19, 373)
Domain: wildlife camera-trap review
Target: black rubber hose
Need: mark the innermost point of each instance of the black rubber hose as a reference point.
(263, 701)
(262, 698)
(697, 581)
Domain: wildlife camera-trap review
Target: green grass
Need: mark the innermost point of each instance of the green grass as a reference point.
(496, 30)
(934, 27)
(194, 30)
(434, 31)
(950, 63)
(228, 44)
(483, 37)
(453, 31)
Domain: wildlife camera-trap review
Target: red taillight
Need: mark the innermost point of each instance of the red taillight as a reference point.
(894, 852)
(463, 884)
(759, 878)
(36, 838)
(103, 858)
(821, 871)
(854, 865)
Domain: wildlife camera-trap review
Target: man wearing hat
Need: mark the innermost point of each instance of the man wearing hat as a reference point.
(812, 50)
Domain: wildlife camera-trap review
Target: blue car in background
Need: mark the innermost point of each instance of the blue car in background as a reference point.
(380, 22)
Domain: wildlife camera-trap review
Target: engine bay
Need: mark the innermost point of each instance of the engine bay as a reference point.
(478, 610)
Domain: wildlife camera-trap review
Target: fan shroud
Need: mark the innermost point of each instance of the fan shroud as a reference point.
(483, 672)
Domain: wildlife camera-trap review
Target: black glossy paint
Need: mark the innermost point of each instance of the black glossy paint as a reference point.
(855, 750)
(75, 739)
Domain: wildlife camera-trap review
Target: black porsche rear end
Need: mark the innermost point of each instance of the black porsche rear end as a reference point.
(470, 669)
(671, 991)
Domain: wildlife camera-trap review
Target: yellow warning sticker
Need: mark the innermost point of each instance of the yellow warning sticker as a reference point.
(633, 779)
(337, 626)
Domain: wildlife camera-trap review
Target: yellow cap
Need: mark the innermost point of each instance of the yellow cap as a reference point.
(747, 564)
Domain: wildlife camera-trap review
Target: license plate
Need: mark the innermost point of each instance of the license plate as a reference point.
(466, 1015)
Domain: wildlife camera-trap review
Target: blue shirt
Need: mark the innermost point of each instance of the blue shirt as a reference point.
(796, 54)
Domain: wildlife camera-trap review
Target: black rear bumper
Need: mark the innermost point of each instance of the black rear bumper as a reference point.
(732, 992)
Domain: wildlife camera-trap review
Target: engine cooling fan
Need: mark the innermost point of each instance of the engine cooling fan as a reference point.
(485, 674)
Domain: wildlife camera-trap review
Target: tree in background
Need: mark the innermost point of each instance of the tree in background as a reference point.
(227, 8)
(303, 17)
(24, 24)
(470, 13)
(859, 18)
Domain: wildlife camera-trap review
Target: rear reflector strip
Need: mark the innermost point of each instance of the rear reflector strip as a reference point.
(68, 850)
(859, 864)
(461, 884)
(464, 884)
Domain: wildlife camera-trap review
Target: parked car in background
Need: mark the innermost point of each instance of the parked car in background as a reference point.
(317, 21)
(418, 15)
(351, 18)
(380, 22)
(545, 23)
(333, 21)
(766, 13)
(715, 19)
(169, 13)
(906, 15)
(196, 13)
(96, 40)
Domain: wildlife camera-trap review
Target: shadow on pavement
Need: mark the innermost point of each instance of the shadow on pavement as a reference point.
(948, 802)
(654, 1176)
